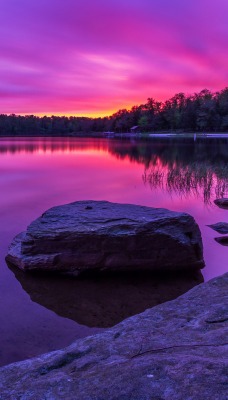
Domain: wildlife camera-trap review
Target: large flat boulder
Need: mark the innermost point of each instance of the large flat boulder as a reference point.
(174, 351)
(98, 235)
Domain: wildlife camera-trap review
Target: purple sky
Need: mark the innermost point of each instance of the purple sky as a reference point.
(93, 57)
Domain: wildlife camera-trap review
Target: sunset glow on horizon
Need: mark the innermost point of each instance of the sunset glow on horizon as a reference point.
(92, 58)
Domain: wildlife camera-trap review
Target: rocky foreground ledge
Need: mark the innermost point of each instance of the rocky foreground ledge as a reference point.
(101, 236)
(174, 351)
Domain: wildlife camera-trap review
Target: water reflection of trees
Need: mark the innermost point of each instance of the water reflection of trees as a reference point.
(50, 145)
(199, 179)
(182, 166)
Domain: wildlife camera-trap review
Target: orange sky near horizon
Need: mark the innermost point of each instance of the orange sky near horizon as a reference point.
(89, 58)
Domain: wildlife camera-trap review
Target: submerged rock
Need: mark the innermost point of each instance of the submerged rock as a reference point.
(177, 350)
(98, 235)
(222, 203)
(220, 227)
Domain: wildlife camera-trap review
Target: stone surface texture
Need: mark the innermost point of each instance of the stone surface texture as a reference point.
(220, 227)
(222, 203)
(98, 235)
(174, 351)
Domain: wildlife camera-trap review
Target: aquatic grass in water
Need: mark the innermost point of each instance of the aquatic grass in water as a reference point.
(199, 179)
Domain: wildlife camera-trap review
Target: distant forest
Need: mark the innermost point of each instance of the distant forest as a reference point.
(200, 112)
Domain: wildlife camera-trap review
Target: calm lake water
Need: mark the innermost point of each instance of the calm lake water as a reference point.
(40, 314)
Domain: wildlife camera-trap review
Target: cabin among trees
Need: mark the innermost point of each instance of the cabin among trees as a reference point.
(200, 112)
(135, 129)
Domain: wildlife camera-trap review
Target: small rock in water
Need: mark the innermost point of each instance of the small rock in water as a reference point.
(223, 240)
(222, 203)
(220, 227)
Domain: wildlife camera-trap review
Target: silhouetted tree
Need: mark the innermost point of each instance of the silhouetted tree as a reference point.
(203, 111)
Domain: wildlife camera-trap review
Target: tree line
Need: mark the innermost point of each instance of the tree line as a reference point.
(203, 111)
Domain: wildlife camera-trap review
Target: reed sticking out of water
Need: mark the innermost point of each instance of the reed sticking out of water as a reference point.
(201, 180)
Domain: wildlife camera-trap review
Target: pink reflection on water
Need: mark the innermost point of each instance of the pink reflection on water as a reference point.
(38, 174)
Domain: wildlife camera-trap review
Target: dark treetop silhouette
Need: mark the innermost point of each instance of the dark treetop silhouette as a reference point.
(204, 111)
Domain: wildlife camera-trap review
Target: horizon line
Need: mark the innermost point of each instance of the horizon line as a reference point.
(108, 113)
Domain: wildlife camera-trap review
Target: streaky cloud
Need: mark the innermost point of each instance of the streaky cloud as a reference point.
(79, 56)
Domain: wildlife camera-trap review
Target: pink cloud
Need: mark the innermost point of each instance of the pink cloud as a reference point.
(95, 57)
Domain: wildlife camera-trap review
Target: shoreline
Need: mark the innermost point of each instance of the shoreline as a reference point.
(127, 135)
(136, 358)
